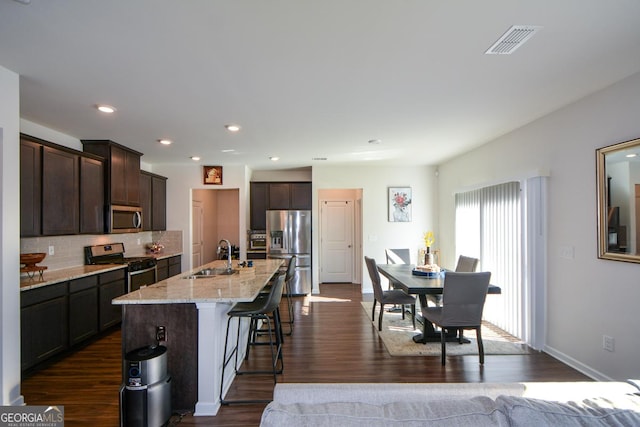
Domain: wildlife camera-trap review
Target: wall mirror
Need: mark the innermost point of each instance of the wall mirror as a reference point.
(618, 173)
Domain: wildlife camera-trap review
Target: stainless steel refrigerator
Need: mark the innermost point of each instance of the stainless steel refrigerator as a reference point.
(288, 234)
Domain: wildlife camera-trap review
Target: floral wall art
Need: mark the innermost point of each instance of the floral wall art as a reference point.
(400, 204)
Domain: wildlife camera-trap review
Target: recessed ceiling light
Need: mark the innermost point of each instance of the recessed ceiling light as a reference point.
(232, 128)
(374, 141)
(195, 158)
(631, 155)
(228, 150)
(165, 141)
(106, 108)
(274, 158)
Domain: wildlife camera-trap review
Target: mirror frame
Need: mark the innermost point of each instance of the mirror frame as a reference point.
(602, 196)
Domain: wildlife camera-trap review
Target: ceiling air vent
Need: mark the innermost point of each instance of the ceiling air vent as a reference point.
(512, 39)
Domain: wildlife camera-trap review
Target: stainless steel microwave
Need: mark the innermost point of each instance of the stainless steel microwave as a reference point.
(125, 219)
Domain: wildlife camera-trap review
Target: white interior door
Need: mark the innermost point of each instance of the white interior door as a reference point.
(336, 241)
(197, 238)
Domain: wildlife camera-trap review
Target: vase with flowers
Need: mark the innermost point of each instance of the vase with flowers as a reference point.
(155, 247)
(428, 242)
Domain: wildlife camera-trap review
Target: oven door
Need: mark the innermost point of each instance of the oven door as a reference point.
(141, 278)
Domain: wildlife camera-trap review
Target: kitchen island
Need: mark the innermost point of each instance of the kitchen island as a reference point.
(194, 313)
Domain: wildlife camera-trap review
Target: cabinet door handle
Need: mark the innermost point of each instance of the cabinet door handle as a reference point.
(137, 220)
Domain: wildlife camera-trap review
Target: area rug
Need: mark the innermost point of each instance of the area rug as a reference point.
(397, 336)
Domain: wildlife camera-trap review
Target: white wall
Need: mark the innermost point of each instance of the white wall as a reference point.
(9, 238)
(586, 297)
(378, 233)
(181, 180)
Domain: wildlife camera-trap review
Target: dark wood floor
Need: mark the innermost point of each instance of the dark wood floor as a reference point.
(333, 341)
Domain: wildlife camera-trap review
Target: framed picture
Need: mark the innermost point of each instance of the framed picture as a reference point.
(212, 175)
(400, 204)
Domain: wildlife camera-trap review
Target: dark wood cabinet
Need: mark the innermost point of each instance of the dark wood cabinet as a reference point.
(83, 309)
(300, 193)
(153, 200)
(277, 195)
(259, 202)
(92, 206)
(122, 171)
(44, 327)
(57, 317)
(60, 192)
(168, 267)
(111, 285)
(175, 265)
(30, 187)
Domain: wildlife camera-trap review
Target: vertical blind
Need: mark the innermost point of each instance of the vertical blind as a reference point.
(489, 227)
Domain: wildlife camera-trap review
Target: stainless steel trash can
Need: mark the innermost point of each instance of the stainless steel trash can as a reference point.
(145, 396)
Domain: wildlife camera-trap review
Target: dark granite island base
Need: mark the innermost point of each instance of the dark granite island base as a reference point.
(194, 312)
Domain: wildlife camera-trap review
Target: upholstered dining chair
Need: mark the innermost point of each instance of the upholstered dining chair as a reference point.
(394, 296)
(466, 264)
(397, 256)
(463, 298)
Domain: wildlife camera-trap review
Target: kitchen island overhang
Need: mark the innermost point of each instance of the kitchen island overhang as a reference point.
(194, 313)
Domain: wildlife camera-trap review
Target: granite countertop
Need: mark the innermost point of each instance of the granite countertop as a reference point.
(240, 287)
(64, 274)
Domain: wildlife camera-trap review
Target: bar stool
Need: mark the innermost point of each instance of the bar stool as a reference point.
(258, 309)
(288, 280)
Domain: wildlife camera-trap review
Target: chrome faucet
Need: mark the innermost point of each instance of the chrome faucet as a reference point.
(229, 265)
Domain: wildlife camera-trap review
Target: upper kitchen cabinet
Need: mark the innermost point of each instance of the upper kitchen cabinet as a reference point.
(277, 195)
(30, 187)
(259, 202)
(153, 200)
(123, 171)
(91, 195)
(61, 189)
(290, 195)
(60, 192)
(300, 193)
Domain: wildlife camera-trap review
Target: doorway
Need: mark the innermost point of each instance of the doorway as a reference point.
(340, 236)
(215, 216)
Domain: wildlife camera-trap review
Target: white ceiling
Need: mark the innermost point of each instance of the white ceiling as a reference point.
(308, 78)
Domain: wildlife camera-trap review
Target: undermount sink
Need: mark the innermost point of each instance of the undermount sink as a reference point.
(208, 272)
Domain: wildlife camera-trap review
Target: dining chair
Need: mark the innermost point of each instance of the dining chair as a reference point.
(463, 298)
(466, 264)
(397, 256)
(393, 296)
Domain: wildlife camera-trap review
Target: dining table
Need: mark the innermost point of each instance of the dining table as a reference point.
(405, 277)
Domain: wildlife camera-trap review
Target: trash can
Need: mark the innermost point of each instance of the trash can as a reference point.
(145, 396)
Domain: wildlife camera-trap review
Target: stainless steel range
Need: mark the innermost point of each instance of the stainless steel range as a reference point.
(141, 271)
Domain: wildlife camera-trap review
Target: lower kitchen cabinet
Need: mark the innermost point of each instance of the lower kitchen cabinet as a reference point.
(83, 313)
(168, 267)
(44, 327)
(55, 318)
(112, 285)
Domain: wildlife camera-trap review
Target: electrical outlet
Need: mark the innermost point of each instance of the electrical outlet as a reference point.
(566, 252)
(161, 333)
(52, 250)
(608, 343)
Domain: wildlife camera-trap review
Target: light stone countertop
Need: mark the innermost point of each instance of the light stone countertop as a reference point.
(57, 276)
(240, 287)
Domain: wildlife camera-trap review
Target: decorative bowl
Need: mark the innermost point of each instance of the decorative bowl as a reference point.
(32, 259)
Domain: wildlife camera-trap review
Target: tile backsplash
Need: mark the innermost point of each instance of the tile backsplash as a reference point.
(69, 250)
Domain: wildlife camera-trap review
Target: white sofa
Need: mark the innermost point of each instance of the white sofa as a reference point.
(462, 404)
